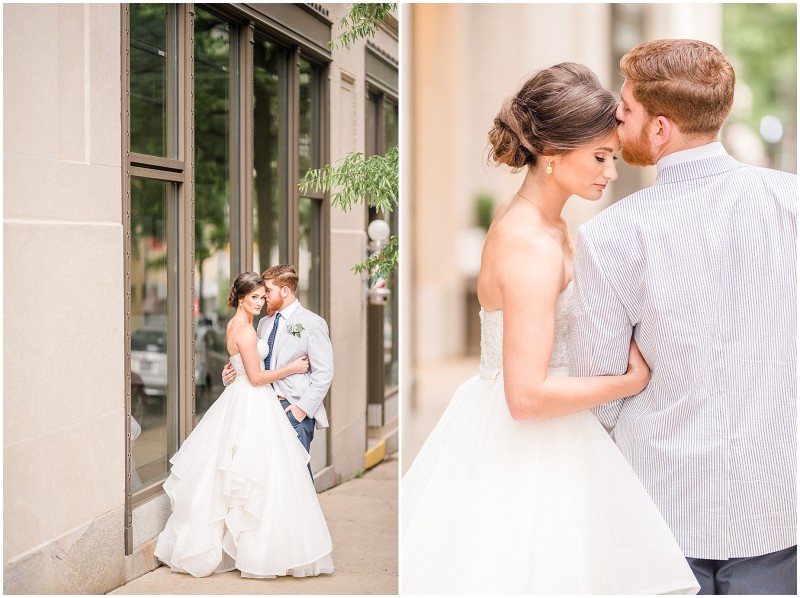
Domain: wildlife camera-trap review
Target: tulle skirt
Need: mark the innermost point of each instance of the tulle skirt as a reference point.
(241, 494)
(496, 506)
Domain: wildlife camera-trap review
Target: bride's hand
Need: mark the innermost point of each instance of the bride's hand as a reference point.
(638, 370)
(300, 365)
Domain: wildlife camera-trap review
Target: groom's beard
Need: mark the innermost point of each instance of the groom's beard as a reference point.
(637, 151)
(274, 306)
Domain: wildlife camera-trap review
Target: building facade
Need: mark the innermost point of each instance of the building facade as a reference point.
(152, 152)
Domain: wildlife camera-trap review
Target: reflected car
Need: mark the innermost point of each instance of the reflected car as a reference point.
(149, 360)
(149, 364)
(210, 358)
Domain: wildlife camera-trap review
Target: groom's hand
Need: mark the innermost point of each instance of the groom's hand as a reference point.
(228, 373)
(298, 413)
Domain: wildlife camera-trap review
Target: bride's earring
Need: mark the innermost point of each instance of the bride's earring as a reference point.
(549, 169)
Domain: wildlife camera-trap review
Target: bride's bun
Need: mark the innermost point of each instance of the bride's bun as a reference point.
(557, 110)
(244, 283)
(513, 136)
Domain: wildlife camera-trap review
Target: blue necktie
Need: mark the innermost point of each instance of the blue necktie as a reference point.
(271, 339)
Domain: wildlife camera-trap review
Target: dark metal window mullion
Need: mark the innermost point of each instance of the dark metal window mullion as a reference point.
(242, 208)
(126, 225)
(186, 214)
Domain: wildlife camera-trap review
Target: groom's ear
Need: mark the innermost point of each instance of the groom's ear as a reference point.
(662, 130)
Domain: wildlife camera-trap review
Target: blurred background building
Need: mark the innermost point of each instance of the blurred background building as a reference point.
(463, 61)
(151, 153)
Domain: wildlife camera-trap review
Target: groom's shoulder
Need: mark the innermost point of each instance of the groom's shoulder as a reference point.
(779, 177)
(312, 317)
(615, 217)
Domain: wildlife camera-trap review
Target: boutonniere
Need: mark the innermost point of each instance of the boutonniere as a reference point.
(295, 329)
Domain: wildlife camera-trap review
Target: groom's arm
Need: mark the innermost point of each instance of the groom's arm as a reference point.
(320, 356)
(601, 330)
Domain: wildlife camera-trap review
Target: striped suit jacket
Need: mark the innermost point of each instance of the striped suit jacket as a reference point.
(700, 270)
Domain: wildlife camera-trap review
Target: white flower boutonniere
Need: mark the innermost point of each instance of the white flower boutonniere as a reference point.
(295, 329)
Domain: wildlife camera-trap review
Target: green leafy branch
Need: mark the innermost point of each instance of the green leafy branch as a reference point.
(361, 22)
(358, 179)
(381, 263)
(375, 179)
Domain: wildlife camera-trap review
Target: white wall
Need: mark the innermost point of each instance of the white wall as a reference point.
(63, 408)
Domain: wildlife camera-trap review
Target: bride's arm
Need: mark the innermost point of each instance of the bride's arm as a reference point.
(530, 281)
(246, 342)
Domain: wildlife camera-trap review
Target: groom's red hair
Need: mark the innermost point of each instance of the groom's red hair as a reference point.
(283, 275)
(688, 81)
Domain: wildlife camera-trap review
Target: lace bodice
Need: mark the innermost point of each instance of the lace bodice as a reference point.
(236, 360)
(492, 337)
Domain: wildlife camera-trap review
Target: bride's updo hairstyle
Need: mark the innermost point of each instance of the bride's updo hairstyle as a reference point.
(557, 110)
(244, 283)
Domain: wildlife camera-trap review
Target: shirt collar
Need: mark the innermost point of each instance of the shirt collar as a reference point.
(709, 150)
(287, 311)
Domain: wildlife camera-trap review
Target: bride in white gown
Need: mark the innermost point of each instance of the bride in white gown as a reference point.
(519, 489)
(239, 486)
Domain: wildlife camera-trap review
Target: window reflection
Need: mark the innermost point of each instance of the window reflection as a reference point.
(309, 266)
(153, 81)
(309, 117)
(391, 312)
(310, 209)
(382, 111)
(390, 126)
(153, 279)
(270, 183)
(215, 75)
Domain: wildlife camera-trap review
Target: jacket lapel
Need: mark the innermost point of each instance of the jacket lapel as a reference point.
(283, 335)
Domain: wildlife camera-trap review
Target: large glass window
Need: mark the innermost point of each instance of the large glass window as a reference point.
(216, 161)
(391, 311)
(271, 155)
(153, 270)
(310, 263)
(310, 208)
(153, 84)
(310, 125)
(382, 134)
(153, 241)
(287, 97)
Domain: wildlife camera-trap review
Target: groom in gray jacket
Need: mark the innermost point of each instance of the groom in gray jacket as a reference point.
(292, 331)
(700, 269)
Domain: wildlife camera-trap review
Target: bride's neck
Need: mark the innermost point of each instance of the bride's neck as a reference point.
(541, 192)
(243, 316)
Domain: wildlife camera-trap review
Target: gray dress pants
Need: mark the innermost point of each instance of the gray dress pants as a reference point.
(772, 573)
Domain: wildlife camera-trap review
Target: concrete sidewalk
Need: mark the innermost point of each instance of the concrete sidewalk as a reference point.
(362, 518)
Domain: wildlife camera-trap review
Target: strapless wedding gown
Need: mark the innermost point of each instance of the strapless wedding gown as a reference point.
(241, 494)
(497, 506)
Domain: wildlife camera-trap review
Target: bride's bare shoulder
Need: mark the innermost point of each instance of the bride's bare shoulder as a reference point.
(521, 236)
(238, 333)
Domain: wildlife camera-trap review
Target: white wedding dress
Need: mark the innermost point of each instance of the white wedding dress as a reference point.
(497, 506)
(241, 494)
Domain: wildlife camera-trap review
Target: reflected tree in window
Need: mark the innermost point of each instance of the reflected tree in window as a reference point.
(152, 81)
(270, 115)
(213, 65)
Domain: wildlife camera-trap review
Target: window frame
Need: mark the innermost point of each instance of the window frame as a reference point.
(179, 171)
(381, 88)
